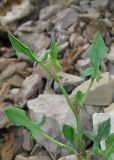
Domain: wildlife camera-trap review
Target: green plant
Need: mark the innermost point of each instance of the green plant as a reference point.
(18, 117)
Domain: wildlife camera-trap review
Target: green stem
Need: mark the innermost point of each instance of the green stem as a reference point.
(88, 91)
(67, 148)
(79, 129)
(80, 134)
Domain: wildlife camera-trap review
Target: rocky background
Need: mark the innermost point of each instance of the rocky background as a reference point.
(23, 84)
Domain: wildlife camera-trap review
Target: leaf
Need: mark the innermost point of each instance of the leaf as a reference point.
(45, 57)
(109, 146)
(89, 135)
(21, 48)
(69, 133)
(96, 53)
(19, 118)
(87, 72)
(54, 52)
(104, 130)
(78, 98)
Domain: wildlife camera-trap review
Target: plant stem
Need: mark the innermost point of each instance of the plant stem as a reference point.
(56, 78)
(67, 148)
(87, 92)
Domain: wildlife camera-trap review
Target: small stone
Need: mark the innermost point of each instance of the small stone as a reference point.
(49, 11)
(71, 157)
(99, 4)
(89, 16)
(58, 113)
(35, 41)
(66, 18)
(93, 27)
(110, 56)
(14, 14)
(101, 93)
(36, 27)
(82, 64)
(15, 81)
(63, 47)
(20, 157)
(27, 140)
(11, 69)
(30, 87)
(69, 82)
(110, 108)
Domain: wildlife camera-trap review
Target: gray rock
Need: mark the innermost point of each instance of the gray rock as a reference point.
(20, 157)
(110, 108)
(36, 41)
(27, 140)
(71, 157)
(82, 64)
(3, 118)
(66, 18)
(11, 69)
(69, 82)
(41, 156)
(14, 14)
(34, 27)
(98, 4)
(49, 11)
(30, 88)
(58, 113)
(110, 56)
(101, 93)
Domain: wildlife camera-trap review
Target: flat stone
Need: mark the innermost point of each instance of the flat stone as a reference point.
(69, 82)
(41, 156)
(110, 56)
(82, 64)
(98, 4)
(71, 157)
(49, 11)
(101, 93)
(36, 27)
(14, 14)
(30, 87)
(27, 140)
(11, 69)
(35, 41)
(110, 108)
(58, 113)
(66, 18)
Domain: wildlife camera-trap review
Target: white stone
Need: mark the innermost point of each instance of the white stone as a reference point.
(110, 108)
(101, 93)
(58, 113)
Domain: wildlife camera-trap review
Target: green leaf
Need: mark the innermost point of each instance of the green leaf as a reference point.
(89, 135)
(69, 133)
(87, 72)
(78, 98)
(45, 57)
(109, 146)
(54, 52)
(19, 118)
(96, 53)
(21, 48)
(104, 130)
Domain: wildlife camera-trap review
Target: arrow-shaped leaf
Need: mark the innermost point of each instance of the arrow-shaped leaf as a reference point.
(21, 48)
(19, 118)
(96, 53)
